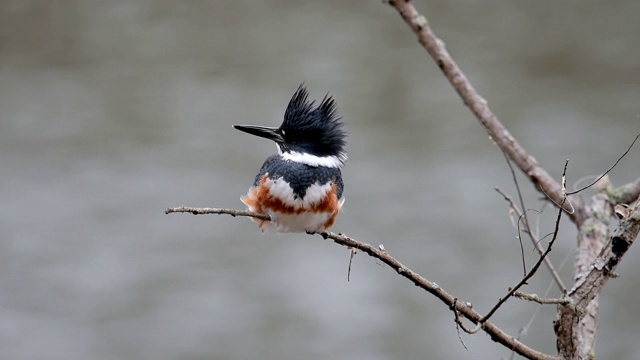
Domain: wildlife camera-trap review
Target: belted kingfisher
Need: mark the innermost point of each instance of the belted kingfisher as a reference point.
(301, 187)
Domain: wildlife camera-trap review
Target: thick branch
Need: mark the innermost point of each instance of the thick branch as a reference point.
(579, 338)
(379, 253)
(527, 163)
(574, 320)
(627, 193)
(607, 261)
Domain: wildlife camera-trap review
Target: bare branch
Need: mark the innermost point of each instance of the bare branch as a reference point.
(352, 253)
(576, 325)
(607, 261)
(627, 193)
(204, 211)
(578, 338)
(464, 309)
(524, 214)
(458, 324)
(526, 327)
(478, 105)
(542, 301)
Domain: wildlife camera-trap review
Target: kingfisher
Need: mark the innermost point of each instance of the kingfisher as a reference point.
(301, 187)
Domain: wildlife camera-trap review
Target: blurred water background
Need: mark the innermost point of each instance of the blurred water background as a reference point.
(111, 111)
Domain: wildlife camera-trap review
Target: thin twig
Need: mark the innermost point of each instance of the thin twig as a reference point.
(542, 301)
(609, 170)
(526, 327)
(536, 244)
(524, 214)
(540, 260)
(352, 253)
(458, 323)
(576, 184)
(204, 211)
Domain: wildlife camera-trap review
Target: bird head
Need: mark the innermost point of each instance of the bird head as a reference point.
(310, 134)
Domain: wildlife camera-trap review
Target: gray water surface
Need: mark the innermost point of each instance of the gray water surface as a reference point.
(112, 111)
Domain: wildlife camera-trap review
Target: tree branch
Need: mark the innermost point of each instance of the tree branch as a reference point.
(625, 194)
(542, 301)
(573, 340)
(527, 163)
(204, 211)
(381, 254)
(607, 261)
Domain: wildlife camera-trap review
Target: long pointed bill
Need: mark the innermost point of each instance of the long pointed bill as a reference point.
(262, 131)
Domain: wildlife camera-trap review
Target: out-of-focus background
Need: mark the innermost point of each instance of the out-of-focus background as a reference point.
(111, 111)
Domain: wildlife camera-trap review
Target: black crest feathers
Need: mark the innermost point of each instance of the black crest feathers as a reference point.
(314, 129)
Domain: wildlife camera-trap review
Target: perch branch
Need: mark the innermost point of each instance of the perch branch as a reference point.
(464, 309)
(478, 105)
(204, 211)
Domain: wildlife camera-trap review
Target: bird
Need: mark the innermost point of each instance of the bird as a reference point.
(300, 187)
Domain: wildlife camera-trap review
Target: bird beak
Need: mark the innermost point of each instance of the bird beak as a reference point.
(262, 131)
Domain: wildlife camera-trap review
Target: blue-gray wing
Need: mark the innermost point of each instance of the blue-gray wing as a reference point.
(299, 176)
